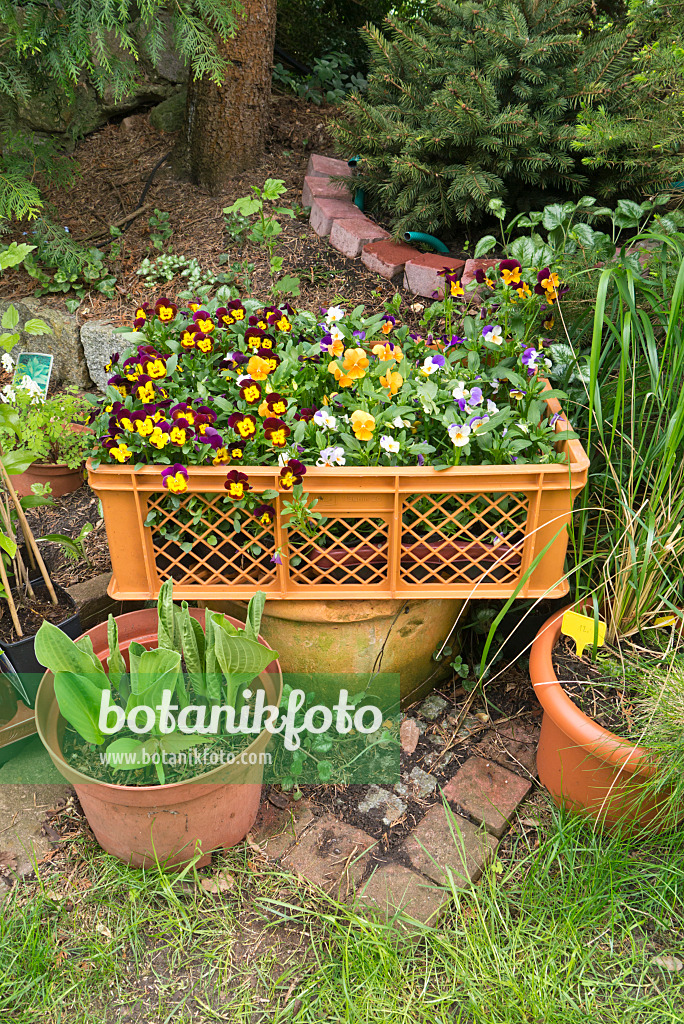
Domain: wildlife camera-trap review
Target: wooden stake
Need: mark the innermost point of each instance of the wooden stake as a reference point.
(20, 570)
(27, 531)
(10, 599)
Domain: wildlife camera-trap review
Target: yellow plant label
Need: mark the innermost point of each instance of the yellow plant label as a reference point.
(667, 620)
(581, 628)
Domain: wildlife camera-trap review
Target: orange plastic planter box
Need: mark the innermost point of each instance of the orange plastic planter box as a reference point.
(471, 531)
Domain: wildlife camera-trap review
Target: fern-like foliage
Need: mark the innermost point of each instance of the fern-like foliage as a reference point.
(480, 100)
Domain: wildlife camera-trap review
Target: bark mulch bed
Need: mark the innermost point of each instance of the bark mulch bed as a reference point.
(67, 516)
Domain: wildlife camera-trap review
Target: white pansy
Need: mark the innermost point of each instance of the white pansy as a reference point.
(389, 444)
(334, 313)
(398, 422)
(322, 418)
(336, 334)
(332, 456)
(460, 391)
(494, 335)
(243, 378)
(459, 434)
(492, 407)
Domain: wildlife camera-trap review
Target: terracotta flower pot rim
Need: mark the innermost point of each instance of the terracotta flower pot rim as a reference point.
(582, 730)
(166, 793)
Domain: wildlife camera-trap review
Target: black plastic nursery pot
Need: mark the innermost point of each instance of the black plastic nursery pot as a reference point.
(22, 653)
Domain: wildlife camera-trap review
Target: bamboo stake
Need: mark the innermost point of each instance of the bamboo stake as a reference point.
(27, 531)
(10, 599)
(20, 570)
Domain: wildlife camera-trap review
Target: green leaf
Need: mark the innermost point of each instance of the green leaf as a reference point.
(485, 245)
(133, 748)
(273, 187)
(255, 612)
(8, 545)
(115, 661)
(193, 653)
(36, 327)
(175, 742)
(79, 702)
(10, 318)
(85, 644)
(167, 620)
(17, 461)
(58, 652)
(554, 216)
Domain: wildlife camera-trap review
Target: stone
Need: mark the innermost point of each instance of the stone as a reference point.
(324, 213)
(387, 258)
(276, 830)
(487, 792)
(99, 343)
(326, 166)
(95, 604)
(69, 365)
(393, 887)
(423, 784)
(421, 274)
(432, 707)
(468, 275)
(321, 188)
(445, 844)
(378, 799)
(331, 854)
(350, 235)
(409, 734)
(169, 115)
(22, 811)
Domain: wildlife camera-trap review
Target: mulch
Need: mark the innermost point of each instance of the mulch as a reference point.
(67, 516)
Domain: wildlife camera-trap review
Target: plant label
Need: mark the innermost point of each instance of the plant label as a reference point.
(584, 630)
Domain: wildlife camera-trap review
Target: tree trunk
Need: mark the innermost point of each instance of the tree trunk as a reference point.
(226, 124)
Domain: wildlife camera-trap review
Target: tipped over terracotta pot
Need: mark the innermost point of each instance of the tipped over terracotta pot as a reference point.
(169, 824)
(584, 766)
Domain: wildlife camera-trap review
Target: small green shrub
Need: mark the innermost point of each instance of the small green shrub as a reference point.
(43, 425)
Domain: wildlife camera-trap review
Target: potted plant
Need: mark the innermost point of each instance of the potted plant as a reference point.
(54, 430)
(340, 456)
(164, 809)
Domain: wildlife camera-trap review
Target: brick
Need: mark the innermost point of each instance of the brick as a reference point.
(331, 854)
(471, 266)
(321, 188)
(350, 235)
(324, 213)
(94, 603)
(277, 830)
(421, 273)
(387, 258)
(432, 848)
(326, 166)
(393, 887)
(486, 792)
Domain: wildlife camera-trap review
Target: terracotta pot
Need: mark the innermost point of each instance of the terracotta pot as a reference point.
(584, 766)
(62, 479)
(353, 637)
(143, 825)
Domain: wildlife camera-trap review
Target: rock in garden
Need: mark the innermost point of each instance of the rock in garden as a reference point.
(169, 115)
(409, 734)
(99, 342)
(69, 366)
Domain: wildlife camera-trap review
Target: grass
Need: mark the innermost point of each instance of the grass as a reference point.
(564, 935)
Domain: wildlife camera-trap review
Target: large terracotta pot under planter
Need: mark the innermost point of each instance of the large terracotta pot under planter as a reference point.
(146, 825)
(359, 637)
(584, 766)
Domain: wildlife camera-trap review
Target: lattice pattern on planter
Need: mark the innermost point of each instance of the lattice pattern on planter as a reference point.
(211, 551)
(346, 551)
(463, 538)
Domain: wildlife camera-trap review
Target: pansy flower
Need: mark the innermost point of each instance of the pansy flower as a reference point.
(355, 363)
(482, 277)
(322, 418)
(389, 444)
(477, 421)
(387, 350)
(258, 320)
(392, 381)
(250, 391)
(334, 314)
(180, 432)
(236, 450)
(547, 282)
(139, 323)
(165, 309)
(144, 425)
(145, 391)
(363, 424)
(143, 311)
(253, 336)
(189, 335)
(231, 313)
(160, 436)
(264, 514)
(204, 343)
(237, 484)
(332, 456)
(243, 424)
(279, 320)
(113, 361)
(276, 431)
(517, 394)
(334, 347)
(388, 324)
(121, 452)
(452, 276)
(234, 360)
(291, 473)
(433, 363)
(524, 291)
(204, 321)
(276, 403)
(221, 456)
(175, 478)
(182, 410)
(529, 358)
(459, 434)
(306, 414)
(492, 333)
(267, 342)
(258, 368)
(510, 271)
(155, 368)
